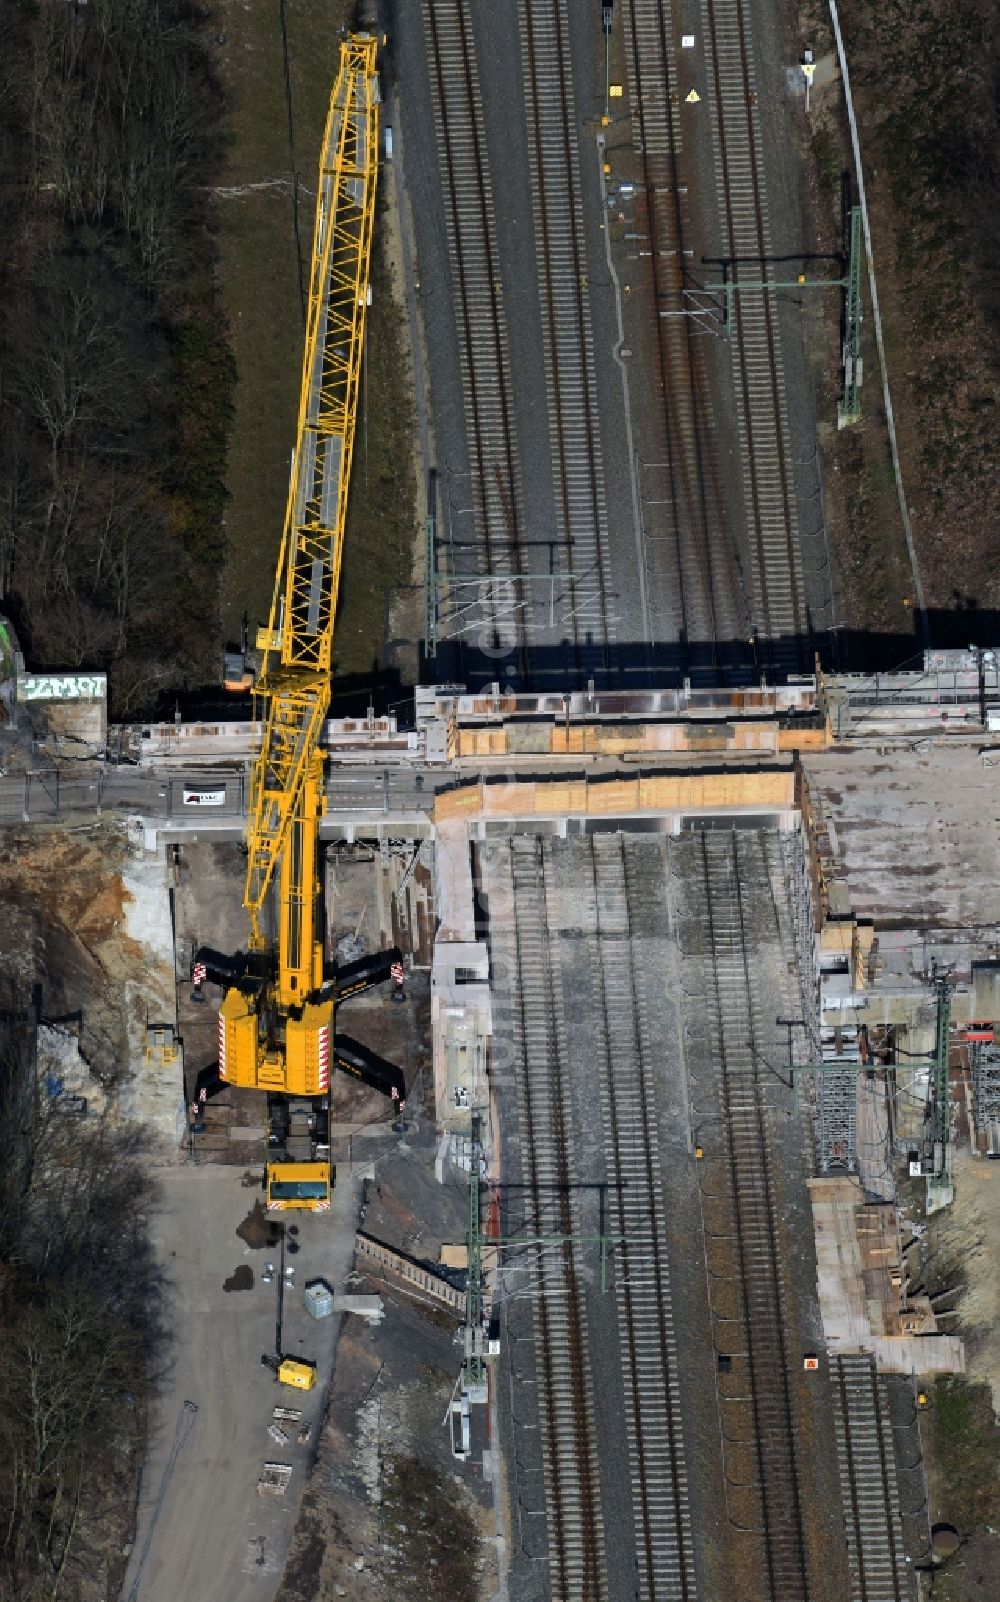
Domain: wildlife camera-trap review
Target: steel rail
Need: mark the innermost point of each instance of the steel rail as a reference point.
(726, 873)
(570, 1452)
(709, 582)
(757, 364)
(665, 1559)
(868, 1482)
(571, 379)
(480, 318)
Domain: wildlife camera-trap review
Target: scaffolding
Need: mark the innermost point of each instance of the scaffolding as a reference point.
(838, 1120)
(836, 1108)
(984, 1063)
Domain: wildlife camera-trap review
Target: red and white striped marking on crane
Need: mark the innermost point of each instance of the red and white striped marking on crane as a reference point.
(222, 1047)
(324, 1058)
(199, 973)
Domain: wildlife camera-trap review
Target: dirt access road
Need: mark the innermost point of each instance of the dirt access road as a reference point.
(209, 1537)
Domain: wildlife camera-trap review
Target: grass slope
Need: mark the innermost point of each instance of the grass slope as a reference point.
(261, 290)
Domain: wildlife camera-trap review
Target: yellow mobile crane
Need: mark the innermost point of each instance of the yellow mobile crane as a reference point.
(276, 1018)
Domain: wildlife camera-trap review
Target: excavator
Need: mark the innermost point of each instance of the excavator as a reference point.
(276, 1020)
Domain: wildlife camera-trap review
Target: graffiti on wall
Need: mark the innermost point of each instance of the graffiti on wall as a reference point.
(62, 686)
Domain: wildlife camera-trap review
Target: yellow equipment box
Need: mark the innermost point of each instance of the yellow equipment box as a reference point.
(301, 1375)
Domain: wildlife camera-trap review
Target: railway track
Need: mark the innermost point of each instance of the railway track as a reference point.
(569, 1449)
(868, 1482)
(761, 406)
(661, 1514)
(570, 377)
(696, 554)
(484, 352)
(729, 869)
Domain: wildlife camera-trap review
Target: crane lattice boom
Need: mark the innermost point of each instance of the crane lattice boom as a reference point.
(294, 683)
(276, 1021)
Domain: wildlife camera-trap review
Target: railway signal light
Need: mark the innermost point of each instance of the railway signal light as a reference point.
(808, 70)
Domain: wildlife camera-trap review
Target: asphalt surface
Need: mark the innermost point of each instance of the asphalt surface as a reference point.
(210, 1537)
(88, 790)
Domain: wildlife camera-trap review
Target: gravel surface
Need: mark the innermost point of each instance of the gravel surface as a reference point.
(648, 627)
(910, 1476)
(388, 1509)
(515, 1375)
(669, 975)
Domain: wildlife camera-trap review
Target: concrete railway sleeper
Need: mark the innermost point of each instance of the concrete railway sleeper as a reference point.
(706, 576)
(661, 1513)
(761, 405)
(570, 376)
(484, 351)
(868, 1482)
(732, 868)
(577, 1560)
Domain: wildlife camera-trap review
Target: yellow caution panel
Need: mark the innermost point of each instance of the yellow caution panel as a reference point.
(308, 1042)
(238, 1048)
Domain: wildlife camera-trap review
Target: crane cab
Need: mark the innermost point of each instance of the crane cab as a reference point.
(299, 1173)
(297, 1187)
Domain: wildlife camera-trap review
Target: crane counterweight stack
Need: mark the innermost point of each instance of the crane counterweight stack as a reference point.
(276, 1020)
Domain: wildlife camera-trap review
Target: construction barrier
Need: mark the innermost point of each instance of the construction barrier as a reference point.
(374, 1253)
(764, 790)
